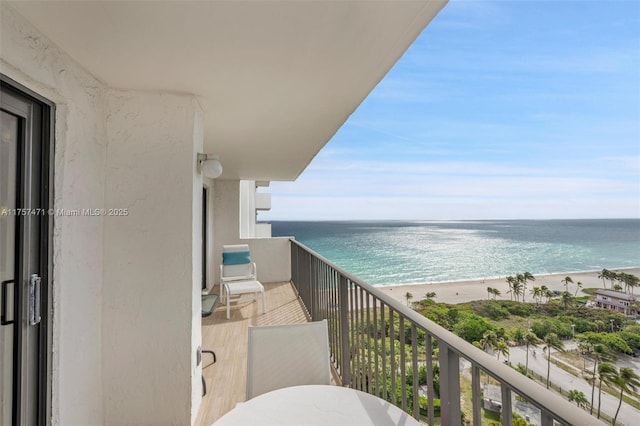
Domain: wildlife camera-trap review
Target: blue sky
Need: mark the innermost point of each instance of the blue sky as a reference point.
(507, 109)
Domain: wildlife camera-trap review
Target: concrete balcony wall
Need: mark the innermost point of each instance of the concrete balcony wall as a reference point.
(263, 230)
(272, 257)
(263, 201)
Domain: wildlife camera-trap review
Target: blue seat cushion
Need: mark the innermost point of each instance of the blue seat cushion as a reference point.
(236, 258)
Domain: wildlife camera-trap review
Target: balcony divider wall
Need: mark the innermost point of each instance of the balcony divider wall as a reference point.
(366, 331)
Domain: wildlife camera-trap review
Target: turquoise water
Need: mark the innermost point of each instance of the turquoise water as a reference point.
(392, 252)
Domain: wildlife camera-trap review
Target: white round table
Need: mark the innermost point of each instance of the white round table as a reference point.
(316, 405)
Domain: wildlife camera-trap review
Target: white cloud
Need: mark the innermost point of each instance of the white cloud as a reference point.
(479, 124)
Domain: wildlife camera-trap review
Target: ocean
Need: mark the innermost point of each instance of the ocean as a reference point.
(421, 252)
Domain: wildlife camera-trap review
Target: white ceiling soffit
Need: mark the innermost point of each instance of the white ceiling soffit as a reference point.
(276, 79)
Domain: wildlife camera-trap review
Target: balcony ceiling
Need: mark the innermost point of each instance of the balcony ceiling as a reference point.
(275, 79)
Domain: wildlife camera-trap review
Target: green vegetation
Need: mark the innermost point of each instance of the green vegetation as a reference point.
(578, 397)
(602, 334)
(382, 349)
(565, 316)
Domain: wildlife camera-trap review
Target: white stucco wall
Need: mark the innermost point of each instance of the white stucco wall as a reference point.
(247, 200)
(29, 58)
(151, 313)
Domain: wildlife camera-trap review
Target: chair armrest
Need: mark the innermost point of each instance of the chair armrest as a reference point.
(252, 276)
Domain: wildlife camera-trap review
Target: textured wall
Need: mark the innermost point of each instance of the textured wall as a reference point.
(152, 263)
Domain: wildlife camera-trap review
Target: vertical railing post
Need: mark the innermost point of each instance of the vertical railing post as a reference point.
(449, 385)
(476, 395)
(311, 287)
(415, 372)
(430, 390)
(294, 262)
(506, 405)
(545, 418)
(345, 349)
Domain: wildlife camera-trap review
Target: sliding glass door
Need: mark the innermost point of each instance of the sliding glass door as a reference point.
(24, 257)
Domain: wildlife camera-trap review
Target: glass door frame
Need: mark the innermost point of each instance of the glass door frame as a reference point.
(43, 410)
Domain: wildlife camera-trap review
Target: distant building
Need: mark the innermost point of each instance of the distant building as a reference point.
(624, 303)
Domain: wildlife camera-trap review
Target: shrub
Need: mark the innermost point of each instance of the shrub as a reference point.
(520, 309)
(472, 328)
(496, 312)
(611, 340)
(631, 335)
(552, 325)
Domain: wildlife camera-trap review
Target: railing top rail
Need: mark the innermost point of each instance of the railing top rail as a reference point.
(546, 400)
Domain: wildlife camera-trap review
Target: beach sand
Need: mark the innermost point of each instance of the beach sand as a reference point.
(465, 291)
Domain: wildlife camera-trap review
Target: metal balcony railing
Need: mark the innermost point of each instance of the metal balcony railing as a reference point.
(366, 331)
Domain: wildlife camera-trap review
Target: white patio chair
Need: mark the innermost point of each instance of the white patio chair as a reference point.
(287, 355)
(238, 277)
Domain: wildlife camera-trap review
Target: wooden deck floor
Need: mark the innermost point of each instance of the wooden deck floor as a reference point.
(226, 379)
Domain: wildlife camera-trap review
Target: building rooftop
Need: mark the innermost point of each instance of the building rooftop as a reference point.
(617, 294)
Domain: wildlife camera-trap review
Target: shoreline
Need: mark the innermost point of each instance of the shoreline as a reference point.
(469, 290)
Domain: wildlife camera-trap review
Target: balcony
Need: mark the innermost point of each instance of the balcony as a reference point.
(365, 330)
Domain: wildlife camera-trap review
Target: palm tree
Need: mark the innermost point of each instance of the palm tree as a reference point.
(489, 292)
(567, 299)
(630, 281)
(496, 292)
(623, 278)
(628, 380)
(430, 295)
(549, 295)
(526, 276)
(607, 373)
(566, 282)
(604, 275)
(578, 397)
(535, 292)
(634, 281)
(510, 282)
(599, 353)
(502, 348)
(551, 341)
(545, 292)
(517, 289)
(522, 281)
(612, 276)
(578, 287)
(489, 340)
(408, 296)
(529, 339)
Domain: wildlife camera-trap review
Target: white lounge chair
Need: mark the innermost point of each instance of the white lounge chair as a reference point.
(238, 277)
(287, 355)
